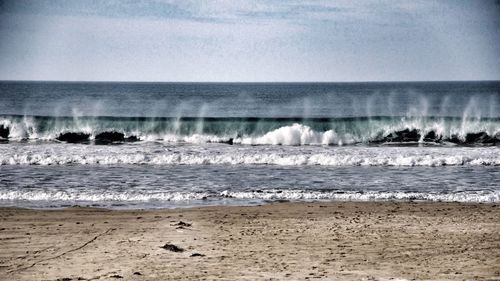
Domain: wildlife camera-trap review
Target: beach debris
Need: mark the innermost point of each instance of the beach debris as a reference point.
(182, 224)
(172, 248)
(197, 255)
(116, 276)
(137, 273)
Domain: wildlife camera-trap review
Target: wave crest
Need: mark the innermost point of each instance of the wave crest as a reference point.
(254, 131)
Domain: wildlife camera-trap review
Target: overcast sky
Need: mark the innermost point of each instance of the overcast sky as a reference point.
(249, 40)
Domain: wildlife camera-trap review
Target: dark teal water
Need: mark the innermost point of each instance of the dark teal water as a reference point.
(250, 99)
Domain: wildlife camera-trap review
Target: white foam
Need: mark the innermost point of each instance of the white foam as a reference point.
(101, 196)
(218, 154)
(269, 195)
(295, 134)
(273, 195)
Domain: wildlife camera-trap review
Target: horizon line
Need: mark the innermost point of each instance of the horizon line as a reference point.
(247, 82)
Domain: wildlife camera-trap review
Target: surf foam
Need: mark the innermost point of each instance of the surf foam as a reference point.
(218, 154)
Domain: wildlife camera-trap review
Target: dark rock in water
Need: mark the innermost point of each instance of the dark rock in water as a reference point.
(172, 248)
(197, 255)
(4, 132)
(403, 136)
(432, 137)
(109, 137)
(132, 139)
(73, 137)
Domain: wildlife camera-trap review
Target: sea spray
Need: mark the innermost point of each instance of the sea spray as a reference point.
(273, 131)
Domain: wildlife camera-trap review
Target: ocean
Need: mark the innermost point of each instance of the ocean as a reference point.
(163, 145)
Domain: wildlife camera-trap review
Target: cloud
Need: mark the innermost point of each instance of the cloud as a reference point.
(249, 40)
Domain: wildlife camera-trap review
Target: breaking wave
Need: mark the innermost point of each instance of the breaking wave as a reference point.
(483, 196)
(107, 198)
(160, 154)
(253, 131)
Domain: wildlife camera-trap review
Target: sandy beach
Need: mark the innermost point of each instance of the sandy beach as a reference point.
(292, 241)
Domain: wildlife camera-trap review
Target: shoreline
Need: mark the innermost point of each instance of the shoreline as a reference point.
(261, 203)
(292, 240)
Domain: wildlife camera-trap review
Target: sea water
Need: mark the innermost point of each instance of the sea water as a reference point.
(151, 145)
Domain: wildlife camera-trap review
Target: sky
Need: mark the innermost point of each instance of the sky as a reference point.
(249, 41)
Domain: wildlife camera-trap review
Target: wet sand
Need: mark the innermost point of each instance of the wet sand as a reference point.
(282, 241)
